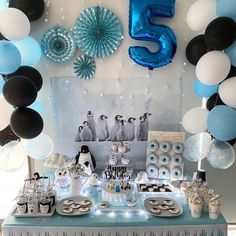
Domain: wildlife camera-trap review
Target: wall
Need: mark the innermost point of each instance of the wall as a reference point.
(119, 65)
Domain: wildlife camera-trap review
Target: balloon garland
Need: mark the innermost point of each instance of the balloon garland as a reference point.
(216, 80)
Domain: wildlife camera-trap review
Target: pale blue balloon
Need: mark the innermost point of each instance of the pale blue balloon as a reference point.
(30, 51)
(10, 58)
(37, 106)
(231, 51)
(226, 8)
(197, 147)
(203, 90)
(1, 83)
(222, 123)
(3, 4)
(222, 155)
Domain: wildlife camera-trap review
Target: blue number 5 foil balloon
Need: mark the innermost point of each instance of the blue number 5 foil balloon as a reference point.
(141, 27)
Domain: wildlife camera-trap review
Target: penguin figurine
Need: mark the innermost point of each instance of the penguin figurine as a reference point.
(92, 125)
(86, 134)
(120, 136)
(142, 132)
(102, 128)
(86, 160)
(129, 129)
(77, 136)
(115, 128)
(146, 115)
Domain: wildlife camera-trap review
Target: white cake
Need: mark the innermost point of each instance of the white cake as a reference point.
(109, 193)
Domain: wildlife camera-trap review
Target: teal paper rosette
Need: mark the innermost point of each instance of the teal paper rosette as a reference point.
(58, 44)
(84, 67)
(98, 32)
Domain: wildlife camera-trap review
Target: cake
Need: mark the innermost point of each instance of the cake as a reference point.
(115, 193)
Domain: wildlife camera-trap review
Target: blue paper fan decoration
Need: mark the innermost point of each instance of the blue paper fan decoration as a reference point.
(58, 44)
(98, 32)
(84, 67)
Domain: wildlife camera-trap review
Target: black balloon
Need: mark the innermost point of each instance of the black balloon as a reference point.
(232, 142)
(213, 101)
(232, 72)
(220, 33)
(7, 135)
(32, 8)
(19, 91)
(26, 123)
(2, 37)
(31, 73)
(195, 49)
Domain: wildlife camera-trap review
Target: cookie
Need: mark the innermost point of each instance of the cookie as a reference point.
(155, 210)
(153, 202)
(67, 210)
(174, 211)
(103, 204)
(68, 202)
(75, 206)
(163, 207)
(84, 209)
(168, 202)
(85, 202)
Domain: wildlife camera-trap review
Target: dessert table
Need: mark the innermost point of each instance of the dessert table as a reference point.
(127, 223)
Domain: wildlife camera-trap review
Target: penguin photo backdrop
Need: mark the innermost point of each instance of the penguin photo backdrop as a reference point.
(165, 155)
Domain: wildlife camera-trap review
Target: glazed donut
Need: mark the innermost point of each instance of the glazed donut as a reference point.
(165, 146)
(164, 159)
(164, 173)
(153, 145)
(176, 173)
(177, 159)
(178, 147)
(152, 171)
(152, 158)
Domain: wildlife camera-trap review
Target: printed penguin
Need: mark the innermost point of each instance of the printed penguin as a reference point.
(92, 125)
(115, 128)
(129, 129)
(142, 132)
(102, 128)
(77, 136)
(86, 134)
(120, 136)
(146, 115)
(86, 160)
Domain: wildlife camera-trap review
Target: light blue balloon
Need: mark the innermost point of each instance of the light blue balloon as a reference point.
(231, 51)
(37, 106)
(3, 4)
(1, 83)
(203, 90)
(222, 123)
(10, 58)
(226, 8)
(222, 155)
(30, 51)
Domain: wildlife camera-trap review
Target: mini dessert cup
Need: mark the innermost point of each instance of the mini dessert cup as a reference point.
(45, 205)
(214, 208)
(114, 147)
(196, 207)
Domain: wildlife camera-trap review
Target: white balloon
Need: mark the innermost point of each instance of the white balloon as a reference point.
(227, 92)
(5, 113)
(195, 120)
(213, 67)
(12, 156)
(14, 24)
(40, 147)
(197, 147)
(200, 14)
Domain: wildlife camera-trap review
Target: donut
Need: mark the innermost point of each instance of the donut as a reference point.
(84, 209)
(164, 159)
(68, 202)
(164, 173)
(177, 159)
(67, 210)
(174, 211)
(152, 158)
(176, 173)
(75, 206)
(155, 210)
(163, 207)
(165, 146)
(150, 189)
(152, 171)
(168, 202)
(86, 202)
(153, 202)
(178, 147)
(162, 189)
(153, 145)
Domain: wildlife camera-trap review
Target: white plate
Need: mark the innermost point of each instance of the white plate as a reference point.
(27, 215)
(164, 213)
(76, 199)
